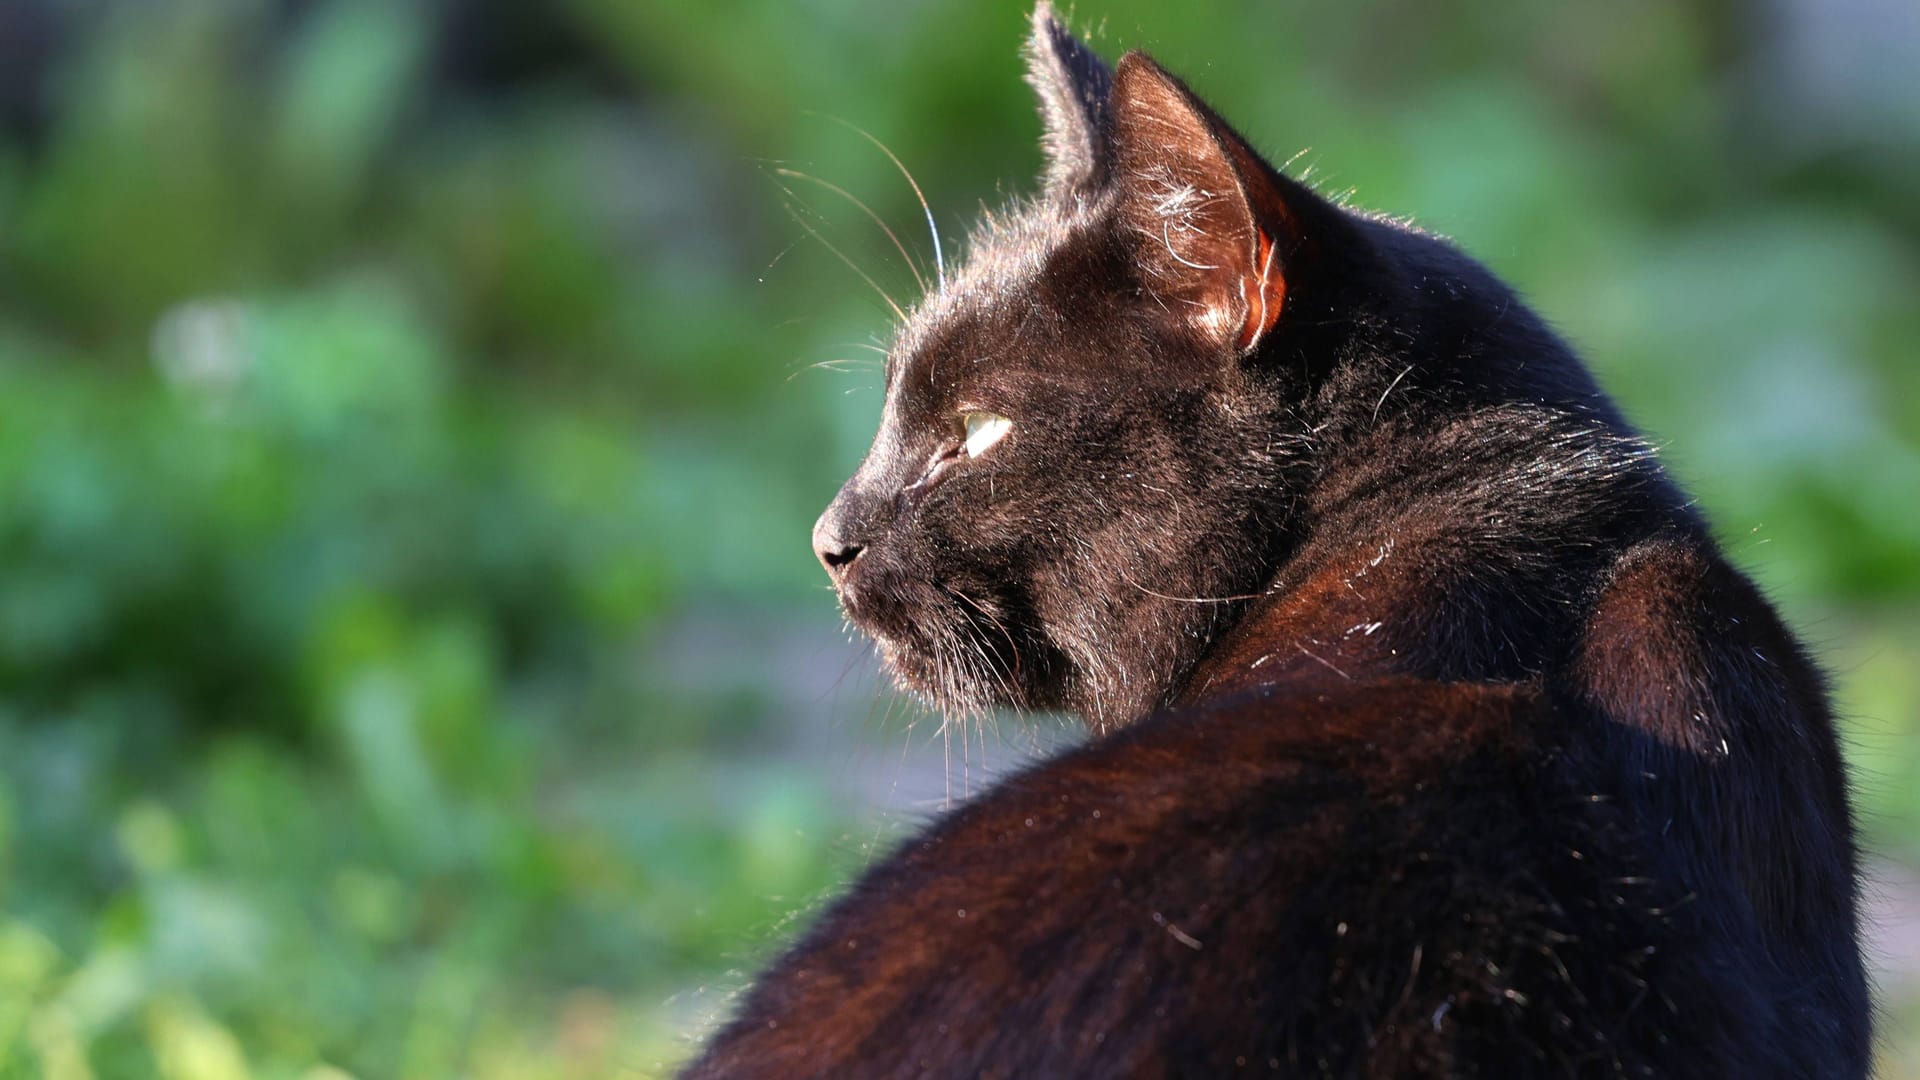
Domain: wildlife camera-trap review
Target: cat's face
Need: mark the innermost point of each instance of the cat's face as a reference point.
(1074, 466)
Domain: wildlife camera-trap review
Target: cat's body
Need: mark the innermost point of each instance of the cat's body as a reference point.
(1438, 737)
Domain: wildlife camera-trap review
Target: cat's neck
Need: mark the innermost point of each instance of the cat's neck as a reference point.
(1462, 552)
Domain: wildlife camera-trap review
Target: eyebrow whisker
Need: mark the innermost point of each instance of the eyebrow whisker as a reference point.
(828, 244)
(939, 260)
(912, 266)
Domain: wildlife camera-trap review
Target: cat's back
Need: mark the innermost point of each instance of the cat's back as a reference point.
(1384, 879)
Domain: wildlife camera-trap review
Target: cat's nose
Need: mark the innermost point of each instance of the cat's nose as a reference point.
(835, 549)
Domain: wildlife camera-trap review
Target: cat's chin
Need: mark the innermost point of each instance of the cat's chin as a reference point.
(956, 685)
(940, 686)
(940, 644)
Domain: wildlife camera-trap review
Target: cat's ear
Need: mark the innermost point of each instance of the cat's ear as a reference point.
(1210, 224)
(1073, 85)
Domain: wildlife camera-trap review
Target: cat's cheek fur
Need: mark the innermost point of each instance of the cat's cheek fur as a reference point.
(1046, 564)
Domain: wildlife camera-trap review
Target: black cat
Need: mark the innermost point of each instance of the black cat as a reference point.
(1437, 738)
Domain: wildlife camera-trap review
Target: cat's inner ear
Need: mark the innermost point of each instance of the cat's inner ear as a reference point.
(1073, 85)
(1209, 225)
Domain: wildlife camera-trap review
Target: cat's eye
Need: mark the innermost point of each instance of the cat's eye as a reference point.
(983, 430)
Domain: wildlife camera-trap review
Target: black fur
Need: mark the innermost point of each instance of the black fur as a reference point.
(1440, 739)
(1073, 85)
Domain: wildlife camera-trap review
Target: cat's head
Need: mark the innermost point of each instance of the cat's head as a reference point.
(1093, 434)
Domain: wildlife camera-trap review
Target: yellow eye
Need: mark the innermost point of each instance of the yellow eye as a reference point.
(983, 430)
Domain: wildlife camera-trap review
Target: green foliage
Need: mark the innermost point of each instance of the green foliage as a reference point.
(368, 437)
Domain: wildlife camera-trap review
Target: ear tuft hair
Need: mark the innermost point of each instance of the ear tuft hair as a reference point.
(1210, 225)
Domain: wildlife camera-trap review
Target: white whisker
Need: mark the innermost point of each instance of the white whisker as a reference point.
(939, 259)
(912, 266)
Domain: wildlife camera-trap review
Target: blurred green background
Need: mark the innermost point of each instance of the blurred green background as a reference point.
(412, 414)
